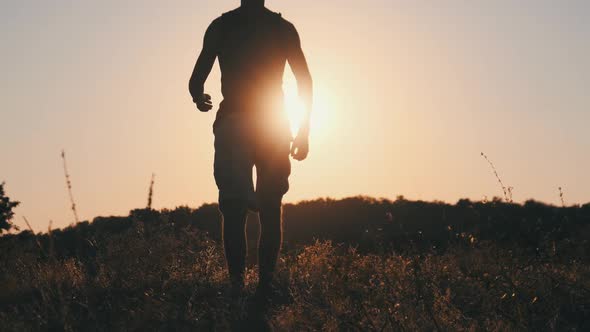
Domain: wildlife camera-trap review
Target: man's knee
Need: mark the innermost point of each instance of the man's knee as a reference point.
(269, 201)
(234, 218)
(270, 213)
(230, 207)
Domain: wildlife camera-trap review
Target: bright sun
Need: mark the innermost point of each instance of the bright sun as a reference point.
(295, 109)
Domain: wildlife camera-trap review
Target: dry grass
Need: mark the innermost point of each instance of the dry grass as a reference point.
(463, 290)
(150, 272)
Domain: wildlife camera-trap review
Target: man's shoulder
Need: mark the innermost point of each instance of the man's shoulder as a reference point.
(230, 14)
(234, 16)
(221, 18)
(282, 20)
(225, 18)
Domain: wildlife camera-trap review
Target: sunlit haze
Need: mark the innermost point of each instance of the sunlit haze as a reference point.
(407, 96)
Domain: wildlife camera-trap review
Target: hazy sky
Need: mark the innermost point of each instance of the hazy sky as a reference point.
(408, 93)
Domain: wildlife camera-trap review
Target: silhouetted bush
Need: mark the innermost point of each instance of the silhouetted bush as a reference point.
(6, 214)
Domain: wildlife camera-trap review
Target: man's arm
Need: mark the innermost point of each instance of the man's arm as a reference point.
(298, 64)
(203, 68)
(300, 69)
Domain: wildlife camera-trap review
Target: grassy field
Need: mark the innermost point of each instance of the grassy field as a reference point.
(354, 264)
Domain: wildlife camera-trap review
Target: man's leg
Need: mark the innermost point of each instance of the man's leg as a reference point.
(233, 175)
(273, 168)
(234, 241)
(271, 238)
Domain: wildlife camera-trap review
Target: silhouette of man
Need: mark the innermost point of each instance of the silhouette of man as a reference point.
(251, 128)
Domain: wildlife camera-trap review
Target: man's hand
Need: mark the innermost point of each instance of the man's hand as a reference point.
(204, 103)
(300, 146)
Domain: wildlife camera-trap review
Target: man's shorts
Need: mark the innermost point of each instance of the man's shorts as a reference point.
(245, 140)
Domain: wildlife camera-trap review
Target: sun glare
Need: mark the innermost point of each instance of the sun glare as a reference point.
(296, 110)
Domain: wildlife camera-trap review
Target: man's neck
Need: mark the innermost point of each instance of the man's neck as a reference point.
(253, 4)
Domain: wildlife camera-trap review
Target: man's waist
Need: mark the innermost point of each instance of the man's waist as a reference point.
(233, 104)
(255, 120)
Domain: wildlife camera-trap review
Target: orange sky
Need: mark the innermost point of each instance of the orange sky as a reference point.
(407, 96)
